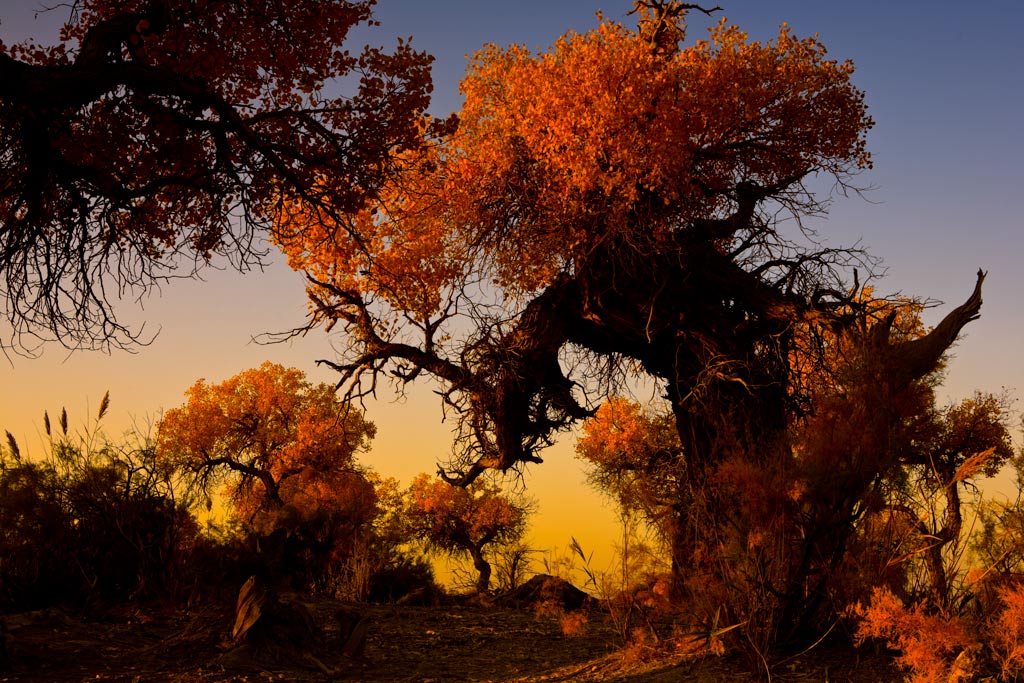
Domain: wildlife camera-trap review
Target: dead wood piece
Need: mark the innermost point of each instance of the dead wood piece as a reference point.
(355, 645)
(6, 645)
(425, 596)
(918, 357)
(249, 608)
(50, 617)
(352, 629)
(268, 628)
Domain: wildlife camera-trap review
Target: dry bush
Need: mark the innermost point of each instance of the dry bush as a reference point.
(94, 522)
(404, 577)
(641, 646)
(512, 564)
(573, 623)
(1006, 632)
(931, 646)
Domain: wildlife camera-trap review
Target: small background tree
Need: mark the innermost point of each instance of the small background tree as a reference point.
(466, 521)
(636, 458)
(283, 452)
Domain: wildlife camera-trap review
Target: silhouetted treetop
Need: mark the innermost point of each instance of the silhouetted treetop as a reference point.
(160, 133)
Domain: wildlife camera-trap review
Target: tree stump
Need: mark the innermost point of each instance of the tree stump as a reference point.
(270, 627)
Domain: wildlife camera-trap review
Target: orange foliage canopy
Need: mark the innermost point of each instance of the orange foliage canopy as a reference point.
(600, 139)
(164, 126)
(284, 449)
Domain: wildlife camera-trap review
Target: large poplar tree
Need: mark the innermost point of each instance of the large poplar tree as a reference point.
(628, 204)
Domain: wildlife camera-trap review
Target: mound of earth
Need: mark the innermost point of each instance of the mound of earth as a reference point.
(544, 589)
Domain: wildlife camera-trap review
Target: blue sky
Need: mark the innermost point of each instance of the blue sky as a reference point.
(943, 83)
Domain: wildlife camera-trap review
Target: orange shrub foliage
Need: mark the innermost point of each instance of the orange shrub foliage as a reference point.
(928, 644)
(1006, 631)
(573, 624)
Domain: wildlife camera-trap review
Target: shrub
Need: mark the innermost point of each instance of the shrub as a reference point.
(1006, 632)
(94, 522)
(929, 645)
(402, 575)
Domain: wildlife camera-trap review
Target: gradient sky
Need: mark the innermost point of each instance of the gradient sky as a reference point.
(944, 84)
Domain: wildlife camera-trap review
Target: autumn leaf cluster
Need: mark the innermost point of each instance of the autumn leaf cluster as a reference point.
(596, 141)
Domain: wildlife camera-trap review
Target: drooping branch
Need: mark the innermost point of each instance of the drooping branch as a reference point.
(374, 351)
(520, 396)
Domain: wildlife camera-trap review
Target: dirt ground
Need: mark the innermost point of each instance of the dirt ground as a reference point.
(404, 645)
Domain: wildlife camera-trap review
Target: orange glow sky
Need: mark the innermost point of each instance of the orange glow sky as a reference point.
(943, 84)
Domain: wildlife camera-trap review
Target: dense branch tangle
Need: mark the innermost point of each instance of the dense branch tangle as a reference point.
(169, 136)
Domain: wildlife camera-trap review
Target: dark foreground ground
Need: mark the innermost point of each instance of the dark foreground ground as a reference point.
(404, 645)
